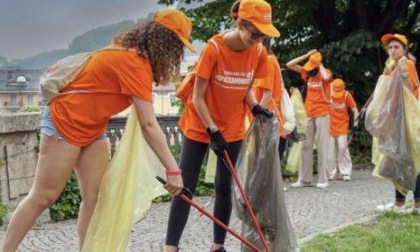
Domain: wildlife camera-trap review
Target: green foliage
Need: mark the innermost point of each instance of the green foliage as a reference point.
(178, 103)
(347, 32)
(387, 233)
(4, 210)
(67, 204)
(31, 109)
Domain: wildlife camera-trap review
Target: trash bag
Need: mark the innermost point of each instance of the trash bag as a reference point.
(258, 167)
(392, 117)
(293, 159)
(298, 133)
(127, 190)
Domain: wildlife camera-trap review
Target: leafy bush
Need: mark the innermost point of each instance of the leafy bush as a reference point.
(68, 203)
(31, 109)
(4, 210)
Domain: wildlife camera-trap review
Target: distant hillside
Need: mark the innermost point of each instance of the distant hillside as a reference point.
(89, 41)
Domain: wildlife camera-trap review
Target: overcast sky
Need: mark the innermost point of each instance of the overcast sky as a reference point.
(29, 27)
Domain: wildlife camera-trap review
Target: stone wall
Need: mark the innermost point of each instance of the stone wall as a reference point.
(18, 156)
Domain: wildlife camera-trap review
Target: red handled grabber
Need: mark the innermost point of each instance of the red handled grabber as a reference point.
(235, 176)
(214, 219)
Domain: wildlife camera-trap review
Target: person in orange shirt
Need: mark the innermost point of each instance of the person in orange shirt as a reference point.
(216, 113)
(268, 90)
(398, 50)
(317, 106)
(73, 124)
(341, 102)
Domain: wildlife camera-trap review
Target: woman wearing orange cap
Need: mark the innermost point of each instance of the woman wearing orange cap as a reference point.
(269, 90)
(341, 102)
(317, 104)
(397, 48)
(216, 114)
(73, 125)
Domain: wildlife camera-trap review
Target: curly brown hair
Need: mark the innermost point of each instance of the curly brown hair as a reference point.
(159, 45)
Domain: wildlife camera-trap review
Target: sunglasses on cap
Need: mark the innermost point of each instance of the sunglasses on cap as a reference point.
(255, 35)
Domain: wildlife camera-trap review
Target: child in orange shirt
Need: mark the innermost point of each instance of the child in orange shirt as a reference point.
(73, 124)
(216, 113)
(341, 101)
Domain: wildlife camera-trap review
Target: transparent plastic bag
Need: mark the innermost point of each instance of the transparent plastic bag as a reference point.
(393, 118)
(126, 192)
(258, 167)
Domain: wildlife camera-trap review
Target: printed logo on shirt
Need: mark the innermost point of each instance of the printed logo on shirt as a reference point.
(315, 85)
(234, 80)
(338, 106)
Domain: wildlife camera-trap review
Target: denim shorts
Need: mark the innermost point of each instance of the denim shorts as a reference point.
(48, 127)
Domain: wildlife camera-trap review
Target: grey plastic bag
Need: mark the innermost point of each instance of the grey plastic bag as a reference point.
(259, 171)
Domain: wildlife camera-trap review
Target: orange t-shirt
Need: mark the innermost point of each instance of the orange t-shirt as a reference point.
(112, 77)
(339, 116)
(273, 82)
(230, 76)
(317, 92)
(413, 77)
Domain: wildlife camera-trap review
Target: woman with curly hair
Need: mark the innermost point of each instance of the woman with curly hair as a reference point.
(73, 124)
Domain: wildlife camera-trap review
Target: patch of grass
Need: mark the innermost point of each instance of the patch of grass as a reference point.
(388, 232)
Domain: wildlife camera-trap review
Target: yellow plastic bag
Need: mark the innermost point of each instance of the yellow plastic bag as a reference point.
(294, 157)
(300, 112)
(127, 191)
(392, 117)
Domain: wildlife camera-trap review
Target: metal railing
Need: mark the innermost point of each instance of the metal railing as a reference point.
(169, 125)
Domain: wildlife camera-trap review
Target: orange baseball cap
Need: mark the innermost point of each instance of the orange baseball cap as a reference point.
(258, 13)
(313, 62)
(178, 22)
(388, 37)
(338, 87)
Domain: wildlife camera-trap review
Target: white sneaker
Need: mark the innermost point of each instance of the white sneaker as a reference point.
(346, 177)
(322, 185)
(391, 207)
(300, 184)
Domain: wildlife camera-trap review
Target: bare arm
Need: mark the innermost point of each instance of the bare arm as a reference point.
(199, 92)
(325, 75)
(156, 139)
(355, 116)
(250, 99)
(293, 64)
(266, 98)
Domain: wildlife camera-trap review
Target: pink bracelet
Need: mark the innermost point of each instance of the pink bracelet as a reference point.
(173, 172)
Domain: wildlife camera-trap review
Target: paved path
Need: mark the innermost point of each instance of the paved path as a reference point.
(312, 211)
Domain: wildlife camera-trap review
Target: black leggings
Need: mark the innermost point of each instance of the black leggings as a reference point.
(401, 198)
(282, 147)
(192, 157)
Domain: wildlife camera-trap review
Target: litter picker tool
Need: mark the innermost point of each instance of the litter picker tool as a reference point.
(214, 219)
(235, 176)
